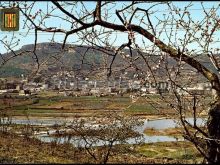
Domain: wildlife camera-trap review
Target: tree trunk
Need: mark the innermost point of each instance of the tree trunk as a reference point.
(213, 147)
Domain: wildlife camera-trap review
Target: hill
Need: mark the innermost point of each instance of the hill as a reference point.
(80, 59)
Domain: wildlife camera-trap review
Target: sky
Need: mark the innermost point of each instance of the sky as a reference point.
(195, 10)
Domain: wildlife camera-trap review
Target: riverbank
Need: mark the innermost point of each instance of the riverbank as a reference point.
(16, 149)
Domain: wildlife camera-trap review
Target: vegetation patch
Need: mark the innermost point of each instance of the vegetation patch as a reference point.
(182, 152)
(177, 132)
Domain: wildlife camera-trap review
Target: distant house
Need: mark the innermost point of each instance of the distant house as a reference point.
(153, 90)
(71, 50)
(94, 91)
(197, 92)
(24, 92)
(3, 91)
(191, 91)
(45, 86)
(143, 89)
(19, 87)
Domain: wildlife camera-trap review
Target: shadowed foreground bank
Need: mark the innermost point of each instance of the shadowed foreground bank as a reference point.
(16, 149)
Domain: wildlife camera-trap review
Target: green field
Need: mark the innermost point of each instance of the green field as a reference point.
(54, 105)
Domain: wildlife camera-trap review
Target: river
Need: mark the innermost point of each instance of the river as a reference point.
(156, 124)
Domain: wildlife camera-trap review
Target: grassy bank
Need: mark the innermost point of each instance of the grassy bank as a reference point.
(171, 152)
(16, 149)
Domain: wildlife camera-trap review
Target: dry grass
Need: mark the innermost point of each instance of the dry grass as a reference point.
(15, 149)
(177, 132)
(172, 152)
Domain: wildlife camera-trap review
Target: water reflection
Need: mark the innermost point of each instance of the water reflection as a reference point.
(156, 124)
(167, 123)
(77, 142)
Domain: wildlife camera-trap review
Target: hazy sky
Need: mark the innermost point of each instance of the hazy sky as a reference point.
(195, 10)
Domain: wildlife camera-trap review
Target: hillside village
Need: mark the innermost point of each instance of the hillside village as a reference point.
(67, 79)
(77, 86)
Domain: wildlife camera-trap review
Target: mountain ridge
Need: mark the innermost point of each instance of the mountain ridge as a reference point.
(76, 57)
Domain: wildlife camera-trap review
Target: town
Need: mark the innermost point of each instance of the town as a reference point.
(77, 86)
